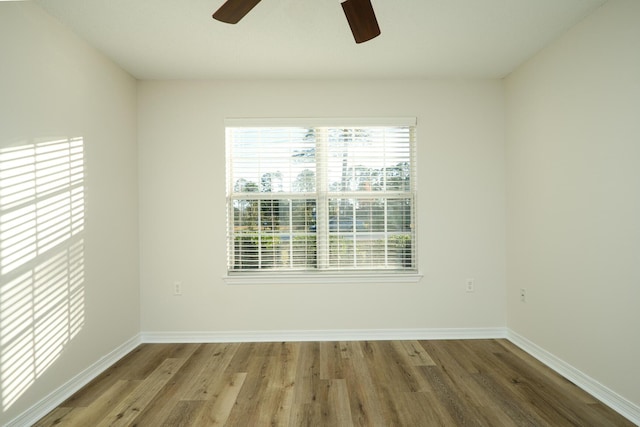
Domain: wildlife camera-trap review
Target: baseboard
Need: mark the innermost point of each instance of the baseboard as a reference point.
(55, 398)
(607, 396)
(323, 335)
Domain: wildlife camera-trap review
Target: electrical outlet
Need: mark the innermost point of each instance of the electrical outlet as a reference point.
(177, 288)
(471, 285)
(523, 295)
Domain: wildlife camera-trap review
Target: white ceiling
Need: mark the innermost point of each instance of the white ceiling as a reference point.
(299, 39)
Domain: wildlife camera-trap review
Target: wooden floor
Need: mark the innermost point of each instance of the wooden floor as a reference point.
(368, 383)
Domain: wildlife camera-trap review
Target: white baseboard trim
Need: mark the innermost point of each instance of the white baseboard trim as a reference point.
(607, 396)
(324, 335)
(56, 397)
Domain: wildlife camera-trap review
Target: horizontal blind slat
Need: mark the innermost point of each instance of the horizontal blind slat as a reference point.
(320, 197)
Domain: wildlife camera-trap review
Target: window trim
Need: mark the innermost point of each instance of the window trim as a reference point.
(372, 276)
(319, 122)
(321, 277)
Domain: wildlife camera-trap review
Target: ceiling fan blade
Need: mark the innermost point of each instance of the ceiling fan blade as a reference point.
(362, 19)
(232, 11)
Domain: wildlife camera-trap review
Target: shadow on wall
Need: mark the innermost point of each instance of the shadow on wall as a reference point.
(41, 259)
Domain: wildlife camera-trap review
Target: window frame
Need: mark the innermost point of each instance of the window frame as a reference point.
(333, 275)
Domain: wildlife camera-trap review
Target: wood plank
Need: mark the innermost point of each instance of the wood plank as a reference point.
(402, 369)
(175, 390)
(56, 417)
(211, 372)
(351, 350)
(255, 402)
(458, 373)
(215, 411)
(331, 361)
(413, 353)
(279, 393)
(100, 407)
(422, 409)
(556, 405)
(183, 414)
(305, 415)
(364, 400)
(454, 399)
(271, 376)
(496, 384)
(500, 393)
(338, 402)
(551, 375)
(127, 410)
(306, 387)
(136, 365)
(243, 356)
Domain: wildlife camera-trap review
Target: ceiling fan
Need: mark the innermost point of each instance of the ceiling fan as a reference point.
(359, 13)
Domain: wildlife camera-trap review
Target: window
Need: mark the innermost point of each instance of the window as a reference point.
(321, 195)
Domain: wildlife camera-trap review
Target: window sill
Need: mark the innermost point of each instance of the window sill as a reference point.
(321, 278)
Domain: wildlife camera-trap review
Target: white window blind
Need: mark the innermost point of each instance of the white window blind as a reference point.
(309, 195)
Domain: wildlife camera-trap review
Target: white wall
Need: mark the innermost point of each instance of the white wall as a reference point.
(52, 86)
(573, 137)
(182, 207)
